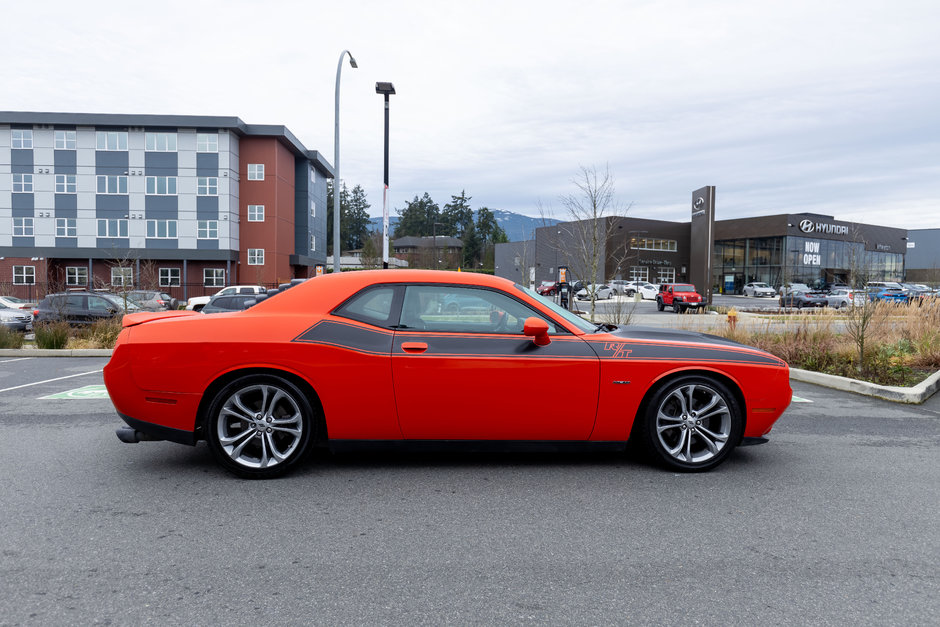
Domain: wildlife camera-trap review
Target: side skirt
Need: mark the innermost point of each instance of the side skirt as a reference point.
(473, 446)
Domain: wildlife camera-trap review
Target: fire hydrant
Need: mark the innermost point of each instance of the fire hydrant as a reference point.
(732, 318)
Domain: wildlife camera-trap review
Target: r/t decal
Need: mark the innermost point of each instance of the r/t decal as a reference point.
(617, 349)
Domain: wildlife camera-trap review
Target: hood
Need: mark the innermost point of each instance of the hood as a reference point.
(672, 335)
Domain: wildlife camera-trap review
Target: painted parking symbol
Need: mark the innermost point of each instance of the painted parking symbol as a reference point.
(83, 393)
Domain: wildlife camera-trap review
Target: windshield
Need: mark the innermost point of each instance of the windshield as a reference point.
(761, 285)
(579, 322)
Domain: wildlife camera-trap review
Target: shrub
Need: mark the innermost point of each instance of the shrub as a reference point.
(52, 334)
(10, 339)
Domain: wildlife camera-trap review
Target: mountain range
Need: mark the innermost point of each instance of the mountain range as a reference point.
(517, 226)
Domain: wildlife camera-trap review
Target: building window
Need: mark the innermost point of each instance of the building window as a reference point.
(24, 275)
(653, 243)
(161, 185)
(112, 228)
(207, 186)
(666, 275)
(22, 227)
(161, 229)
(255, 171)
(213, 277)
(65, 140)
(256, 213)
(207, 142)
(22, 183)
(22, 138)
(76, 275)
(313, 243)
(66, 227)
(122, 276)
(313, 209)
(255, 256)
(160, 142)
(111, 140)
(207, 229)
(313, 175)
(169, 277)
(65, 184)
(112, 184)
(639, 273)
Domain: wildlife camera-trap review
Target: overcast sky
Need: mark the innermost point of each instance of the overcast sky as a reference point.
(826, 107)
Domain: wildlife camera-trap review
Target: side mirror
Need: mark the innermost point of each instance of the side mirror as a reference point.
(537, 329)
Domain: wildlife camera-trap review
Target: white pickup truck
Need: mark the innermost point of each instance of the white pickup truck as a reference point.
(198, 302)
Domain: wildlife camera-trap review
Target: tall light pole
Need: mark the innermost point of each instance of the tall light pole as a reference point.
(387, 89)
(337, 184)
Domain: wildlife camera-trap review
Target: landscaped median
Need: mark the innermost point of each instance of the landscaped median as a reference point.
(916, 394)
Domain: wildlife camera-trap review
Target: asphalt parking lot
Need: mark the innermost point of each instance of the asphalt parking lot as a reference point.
(835, 520)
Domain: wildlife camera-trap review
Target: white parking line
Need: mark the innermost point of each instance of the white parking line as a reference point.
(26, 385)
(6, 361)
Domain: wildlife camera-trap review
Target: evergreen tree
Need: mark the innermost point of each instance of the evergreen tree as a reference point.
(418, 217)
(472, 247)
(457, 215)
(354, 229)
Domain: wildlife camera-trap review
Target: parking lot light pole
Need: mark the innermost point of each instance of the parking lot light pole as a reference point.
(386, 89)
(337, 184)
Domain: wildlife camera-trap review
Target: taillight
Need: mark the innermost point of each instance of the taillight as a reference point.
(35, 312)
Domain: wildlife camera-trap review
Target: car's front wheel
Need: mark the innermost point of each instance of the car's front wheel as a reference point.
(258, 426)
(692, 424)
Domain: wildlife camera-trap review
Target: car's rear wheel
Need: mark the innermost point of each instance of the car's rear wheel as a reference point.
(630, 292)
(659, 305)
(692, 424)
(259, 426)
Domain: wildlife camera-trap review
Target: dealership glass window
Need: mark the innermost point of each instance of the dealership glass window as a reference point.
(122, 276)
(76, 275)
(169, 277)
(112, 228)
(207, 229)
(207, 142)
(21, 138)
(213, 277)
(112, 184)
(65, 140)
(22, 183)
(66, 227)
(111, 140)
(24, 275)
(639, 273)
(22, 227)
(65, 184)
(161, 229)
(160, 142)
(207, 186)
(447, 308)
(255, 256)
(255, 171)
(665, 275)
(161, 185)
(256, 213)
(652, 243)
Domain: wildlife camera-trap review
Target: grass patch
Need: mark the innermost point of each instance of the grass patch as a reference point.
(10, 339)
(51, 335)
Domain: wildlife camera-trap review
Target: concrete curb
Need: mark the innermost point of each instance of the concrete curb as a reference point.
(46, 352)
(914, 395)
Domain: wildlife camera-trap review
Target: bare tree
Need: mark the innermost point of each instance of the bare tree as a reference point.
(585, 238)
(864, 312)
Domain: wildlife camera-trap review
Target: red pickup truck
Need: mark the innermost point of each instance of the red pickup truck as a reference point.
(680, 296)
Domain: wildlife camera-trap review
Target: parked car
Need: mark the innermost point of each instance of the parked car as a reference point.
(16, 303)
(680, 296)
(547, 288)
(227, 302)
(840, 298)
(803, 298)
(153, 300)
(646, 289)
(757, 288)
(890, 295)
(198, 302)
(595, 291)
(794, 287)
(16, 319)
(877, 286)
(79, 308)
(263, 407)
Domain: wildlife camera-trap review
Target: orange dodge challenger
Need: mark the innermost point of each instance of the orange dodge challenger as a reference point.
(421, 357)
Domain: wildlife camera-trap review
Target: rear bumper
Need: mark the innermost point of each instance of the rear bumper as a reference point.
(139, 431)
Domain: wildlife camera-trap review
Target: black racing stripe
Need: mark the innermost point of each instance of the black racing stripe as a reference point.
(679, 353)
(495, 346)
(348, 336)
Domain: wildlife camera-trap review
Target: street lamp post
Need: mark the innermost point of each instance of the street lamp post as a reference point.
(337, 184)
(387, 89)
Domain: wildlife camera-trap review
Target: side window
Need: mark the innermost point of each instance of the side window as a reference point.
(464, 310)
(74, 301)
(372, 306)
(96, 303)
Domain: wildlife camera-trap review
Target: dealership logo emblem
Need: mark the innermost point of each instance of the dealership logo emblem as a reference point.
(698, 207)
(807, 226)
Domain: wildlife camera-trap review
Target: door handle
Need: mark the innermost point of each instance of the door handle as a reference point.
(414, 347)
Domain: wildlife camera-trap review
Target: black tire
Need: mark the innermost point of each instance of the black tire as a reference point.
(269, 442)
(659, 305)
(676, 435)
(630, 292)
(676, 308)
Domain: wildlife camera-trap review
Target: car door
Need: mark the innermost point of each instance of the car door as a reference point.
(473, 375)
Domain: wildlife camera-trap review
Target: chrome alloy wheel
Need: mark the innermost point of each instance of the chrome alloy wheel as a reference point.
(693, 423)
(259, 426)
